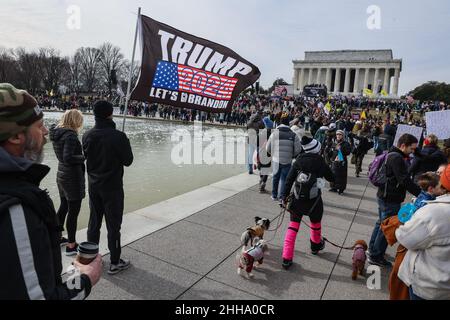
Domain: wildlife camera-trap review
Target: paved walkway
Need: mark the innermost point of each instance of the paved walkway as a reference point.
(194, 258)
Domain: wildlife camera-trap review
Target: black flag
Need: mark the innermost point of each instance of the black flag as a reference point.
(182, 70)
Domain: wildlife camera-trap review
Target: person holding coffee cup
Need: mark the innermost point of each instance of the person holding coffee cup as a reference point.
(29, 228)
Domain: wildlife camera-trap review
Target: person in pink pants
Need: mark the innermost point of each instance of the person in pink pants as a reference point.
(310, 163)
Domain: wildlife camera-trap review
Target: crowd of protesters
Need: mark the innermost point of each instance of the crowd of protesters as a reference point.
(308, 141)
(311, 140)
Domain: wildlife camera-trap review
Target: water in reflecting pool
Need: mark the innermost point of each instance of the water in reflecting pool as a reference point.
(152, 177)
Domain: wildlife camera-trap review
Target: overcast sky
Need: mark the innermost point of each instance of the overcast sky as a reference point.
(269, 33)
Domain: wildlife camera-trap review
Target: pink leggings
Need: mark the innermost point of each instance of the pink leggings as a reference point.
(291, 235)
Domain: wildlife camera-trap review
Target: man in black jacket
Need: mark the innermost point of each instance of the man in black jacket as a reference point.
(107, 151)
(29, 229)
(391, 195)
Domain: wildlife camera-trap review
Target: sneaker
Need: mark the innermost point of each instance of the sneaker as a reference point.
(63, 241)
(274, 198)
(116, 268)
(72, 251)
(381, 262)
(340, 192)
(316, 247)
(286, 264)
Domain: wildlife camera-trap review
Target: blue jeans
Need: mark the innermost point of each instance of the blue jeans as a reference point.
(412, 295)
(375, 143)
(378, 243)
(280, 173)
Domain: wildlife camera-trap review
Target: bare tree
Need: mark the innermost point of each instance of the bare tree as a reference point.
(110, 59)
(53, 68)
(89, 59)
(124, 73)
(75, 82)
(8, 66)
(29, 76)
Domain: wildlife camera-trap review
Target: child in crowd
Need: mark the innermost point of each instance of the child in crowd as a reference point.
(428, 182)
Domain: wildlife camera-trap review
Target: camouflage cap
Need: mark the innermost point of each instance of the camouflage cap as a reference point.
(18, 110)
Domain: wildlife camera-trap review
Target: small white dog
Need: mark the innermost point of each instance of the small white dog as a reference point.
(251, 258)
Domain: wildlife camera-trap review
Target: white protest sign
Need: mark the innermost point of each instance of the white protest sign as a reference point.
(403, 128)
(438, 123)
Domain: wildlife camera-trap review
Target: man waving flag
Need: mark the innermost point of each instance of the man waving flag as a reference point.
(182, 70)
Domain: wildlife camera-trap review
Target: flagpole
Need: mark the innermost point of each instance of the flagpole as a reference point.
(127, 98)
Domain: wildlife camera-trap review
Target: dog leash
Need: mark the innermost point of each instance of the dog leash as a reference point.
(282, 214)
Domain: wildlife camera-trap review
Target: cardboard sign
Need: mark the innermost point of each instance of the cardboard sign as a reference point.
(403, 128)
(438, 123)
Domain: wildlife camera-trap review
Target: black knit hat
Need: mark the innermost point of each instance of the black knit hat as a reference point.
(310, 145)
(103, 109)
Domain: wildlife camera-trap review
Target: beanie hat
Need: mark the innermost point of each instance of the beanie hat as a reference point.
(103, 109)
(445, 178)
(332, 126)
(310, 145)
(340, 132)
(18, 110)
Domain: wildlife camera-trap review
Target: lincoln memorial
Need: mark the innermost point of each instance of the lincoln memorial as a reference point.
(349, 72)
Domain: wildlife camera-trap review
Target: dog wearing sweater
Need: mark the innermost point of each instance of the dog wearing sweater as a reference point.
(251, 258)
(358, 258)
(257, 231)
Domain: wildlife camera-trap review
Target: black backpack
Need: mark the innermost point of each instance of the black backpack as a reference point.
(305, 186)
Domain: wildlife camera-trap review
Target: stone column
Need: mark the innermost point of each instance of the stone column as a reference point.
(295, 79)
(310, 76)
(319, 73)
(337, 81)
(386, 80)
(366, 78)
(300, 79)
(347, 80)
(356, 84)
(328, 78)
(395, 86)
(375, 80)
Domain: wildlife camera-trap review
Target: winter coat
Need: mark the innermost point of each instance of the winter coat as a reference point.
(283, 145)
(362, 146)
(70, 176)
(308, 163)
(426, 266)
(429, 159)
(339, 168)
(29, 236)
(398, 179)
(107, 151)
(397, 288)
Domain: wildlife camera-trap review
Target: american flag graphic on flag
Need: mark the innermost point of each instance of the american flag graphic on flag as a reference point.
(178, 77)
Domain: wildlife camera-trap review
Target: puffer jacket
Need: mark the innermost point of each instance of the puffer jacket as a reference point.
(283, 145)
(426, 266)
(70, 176)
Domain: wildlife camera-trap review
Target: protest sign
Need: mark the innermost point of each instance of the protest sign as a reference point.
(403, 128)
(438, 123)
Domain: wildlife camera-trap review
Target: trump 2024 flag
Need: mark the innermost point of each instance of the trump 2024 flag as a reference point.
(185, 71)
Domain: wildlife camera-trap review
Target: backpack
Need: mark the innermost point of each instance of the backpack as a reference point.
(305, 186)
(377, 170)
